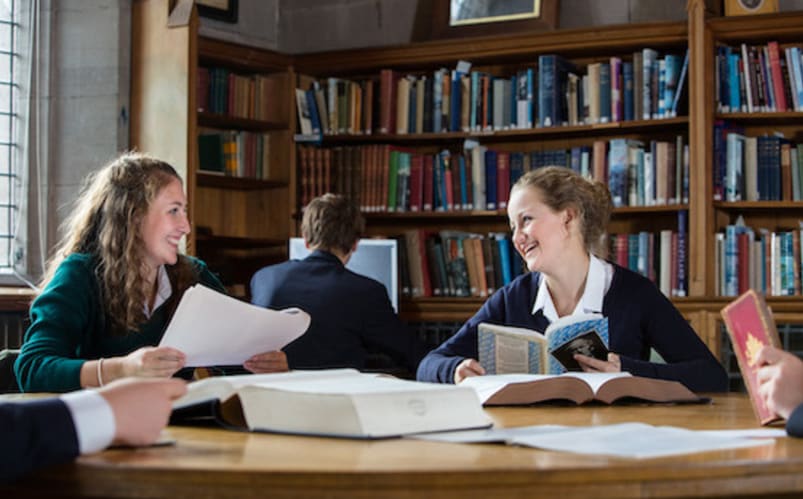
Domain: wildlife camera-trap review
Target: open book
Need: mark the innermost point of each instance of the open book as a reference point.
(507, 349)
(750, 327)
(330, 402)
(521, 389)
(213, 329)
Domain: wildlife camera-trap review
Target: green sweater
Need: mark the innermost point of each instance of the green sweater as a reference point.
(68, 327)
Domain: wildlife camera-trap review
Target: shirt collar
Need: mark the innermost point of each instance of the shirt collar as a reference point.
(598, 281)
(163, 290)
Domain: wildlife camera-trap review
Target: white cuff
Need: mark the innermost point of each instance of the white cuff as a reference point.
(93, 420)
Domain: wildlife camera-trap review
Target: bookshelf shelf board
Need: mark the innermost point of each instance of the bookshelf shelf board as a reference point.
(737, 29)
(758, 205)
(767, 118)
(210, 241)
(454, 216)
(222, 121)
(647, 210)
(241, 57)
(239, 183)
(526, 134)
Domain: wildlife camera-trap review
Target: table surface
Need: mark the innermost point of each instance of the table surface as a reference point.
(210, 462)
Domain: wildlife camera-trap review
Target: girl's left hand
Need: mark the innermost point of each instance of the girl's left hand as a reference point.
(268, 362)
(592, 365)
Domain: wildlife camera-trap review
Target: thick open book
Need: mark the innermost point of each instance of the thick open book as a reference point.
(521, 389)
(750, 326)
(507, 349)
(213, 329)
(330, 402)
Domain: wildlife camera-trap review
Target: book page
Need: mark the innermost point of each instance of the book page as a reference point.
(507, 349)
(213, 329)
(596, 380)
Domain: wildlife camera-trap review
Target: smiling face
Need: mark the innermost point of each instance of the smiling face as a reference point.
(540, 234)
(164, 224)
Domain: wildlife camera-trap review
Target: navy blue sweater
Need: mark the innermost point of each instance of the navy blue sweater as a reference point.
(640, 317)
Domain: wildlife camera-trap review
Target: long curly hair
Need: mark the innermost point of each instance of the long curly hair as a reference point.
(106, 224)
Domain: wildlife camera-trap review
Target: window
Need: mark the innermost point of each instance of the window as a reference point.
(9, 169)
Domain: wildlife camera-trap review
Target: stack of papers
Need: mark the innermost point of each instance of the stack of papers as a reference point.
(628, 440)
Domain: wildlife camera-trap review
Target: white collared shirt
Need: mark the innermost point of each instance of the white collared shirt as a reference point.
(598, 281)
(163, 291)
(92, 418)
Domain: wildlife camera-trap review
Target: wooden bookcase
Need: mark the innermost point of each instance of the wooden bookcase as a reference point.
(239, 224)
(250, 221)
(503, 55)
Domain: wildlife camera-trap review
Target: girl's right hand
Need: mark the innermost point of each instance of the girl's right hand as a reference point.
(153, 362)
(467, 368)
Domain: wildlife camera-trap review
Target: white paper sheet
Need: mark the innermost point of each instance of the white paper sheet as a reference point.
(213, 329)
(635, 440)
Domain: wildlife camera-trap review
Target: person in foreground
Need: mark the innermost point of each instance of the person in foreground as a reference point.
(780, 380)
(49, 431)
(350, 313)
(558, 219)
(114, 282)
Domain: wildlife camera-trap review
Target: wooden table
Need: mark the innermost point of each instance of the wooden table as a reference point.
(209, 462)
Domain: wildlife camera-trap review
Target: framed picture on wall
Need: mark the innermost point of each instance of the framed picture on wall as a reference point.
(219, 10)
(462, 18)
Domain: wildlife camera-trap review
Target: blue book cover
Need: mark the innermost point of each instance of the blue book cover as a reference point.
(313, 112)
(604, 92)
(585, 334)
(490, 179)
(437, 100)
(627, 90)
(505, 249)
(455, 99)
(464, 184)
(618, 171)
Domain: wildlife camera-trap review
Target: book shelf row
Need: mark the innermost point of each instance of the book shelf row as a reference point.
(758, 78)
(755, 168)
(389, 178)
(250, 96)
(767, 261)
(552, 92)
(235, 153)
(453, 263)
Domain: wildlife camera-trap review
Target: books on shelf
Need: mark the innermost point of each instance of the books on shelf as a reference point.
(330, 402)
(577, 387)
(750, 326)
(507, 349)
(214, 329)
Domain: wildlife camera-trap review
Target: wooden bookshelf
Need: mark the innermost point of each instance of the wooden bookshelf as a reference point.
(240, 223)
(167, 52)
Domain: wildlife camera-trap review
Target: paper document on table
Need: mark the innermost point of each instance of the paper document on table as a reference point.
(213, 329)
(634, 440)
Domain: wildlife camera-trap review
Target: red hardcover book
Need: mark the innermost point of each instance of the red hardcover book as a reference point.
(428, 182)
(388, 80)
(750, 326)
(502, 179)
(777, 77)
(417, 182)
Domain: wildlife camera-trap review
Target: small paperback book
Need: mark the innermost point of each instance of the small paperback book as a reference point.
(507, 349)
(750, 326)
(329, 402)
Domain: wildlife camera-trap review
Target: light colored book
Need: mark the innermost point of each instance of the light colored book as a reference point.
(214, 329)
(521, 389)
(508, 349)
(330, 402)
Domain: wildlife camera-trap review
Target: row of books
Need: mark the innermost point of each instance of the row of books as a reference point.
(661, 257)
(221, 91)
(456, 263)
(759, 78)
(552, 92)
(750, 168)
(235, 153)
(397, 179)
(768, 262)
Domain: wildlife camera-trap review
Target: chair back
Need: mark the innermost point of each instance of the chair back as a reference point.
(8, 380)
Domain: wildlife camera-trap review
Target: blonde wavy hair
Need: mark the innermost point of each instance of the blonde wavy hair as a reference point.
(561, 188)
(106, 224)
